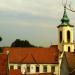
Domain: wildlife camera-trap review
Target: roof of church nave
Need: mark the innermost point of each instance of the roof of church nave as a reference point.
(33, 55)
(70, 56)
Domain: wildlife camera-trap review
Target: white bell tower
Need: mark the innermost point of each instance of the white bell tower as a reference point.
(65, 34)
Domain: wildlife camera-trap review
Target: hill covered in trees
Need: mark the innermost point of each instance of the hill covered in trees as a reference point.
(22, 43)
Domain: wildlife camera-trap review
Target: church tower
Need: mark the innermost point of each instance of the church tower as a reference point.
(65, 34)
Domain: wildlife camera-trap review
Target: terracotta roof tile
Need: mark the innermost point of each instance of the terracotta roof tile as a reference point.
(71, 60)
(3, 64)
(33, 55)
(15, 72)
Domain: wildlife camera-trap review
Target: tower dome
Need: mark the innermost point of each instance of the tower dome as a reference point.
(65, 19)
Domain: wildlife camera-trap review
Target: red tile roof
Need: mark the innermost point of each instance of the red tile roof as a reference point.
(3, 64)
(33, 55)
(71, 60)
(15, 72)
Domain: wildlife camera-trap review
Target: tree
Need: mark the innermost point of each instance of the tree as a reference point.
(16, 43)
(0, 38)
(21, 43)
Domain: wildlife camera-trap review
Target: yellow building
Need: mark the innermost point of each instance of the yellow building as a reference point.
(65, 34)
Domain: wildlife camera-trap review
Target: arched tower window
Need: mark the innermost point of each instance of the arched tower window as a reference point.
(68, 36)
(60, 36)
(68, 49)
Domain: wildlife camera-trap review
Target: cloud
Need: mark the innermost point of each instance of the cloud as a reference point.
(34, 20)
(36, 7)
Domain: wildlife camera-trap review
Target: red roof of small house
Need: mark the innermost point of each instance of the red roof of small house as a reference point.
(3, 64)
(33, 55)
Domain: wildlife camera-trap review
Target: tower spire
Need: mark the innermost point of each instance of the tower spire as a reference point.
(65, 19)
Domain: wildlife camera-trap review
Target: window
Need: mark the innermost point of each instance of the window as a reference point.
(60, 36)
(37, 68)
(19, 67)
(44, 68)
(68, 49)
(53, 69)
(11, 67)
(68, 36)
(28, 68)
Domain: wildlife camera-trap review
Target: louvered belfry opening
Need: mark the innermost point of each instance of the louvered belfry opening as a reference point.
(68, 36)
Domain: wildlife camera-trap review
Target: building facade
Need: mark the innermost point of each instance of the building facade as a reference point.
(34, 60)
(35, 68)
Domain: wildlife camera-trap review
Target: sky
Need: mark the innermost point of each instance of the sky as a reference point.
(32, 20)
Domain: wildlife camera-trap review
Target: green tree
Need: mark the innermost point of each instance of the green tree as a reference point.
(21, 43)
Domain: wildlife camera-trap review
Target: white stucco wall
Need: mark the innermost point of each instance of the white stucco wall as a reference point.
(64, 33)
(33, 68)
(15, 66)
(65, 47)
(64, 44)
